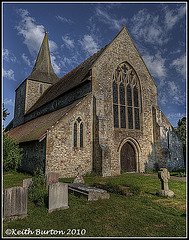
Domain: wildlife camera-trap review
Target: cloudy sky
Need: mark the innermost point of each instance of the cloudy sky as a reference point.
(77, 30)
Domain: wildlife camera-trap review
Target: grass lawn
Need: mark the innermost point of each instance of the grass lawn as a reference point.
(141, 215)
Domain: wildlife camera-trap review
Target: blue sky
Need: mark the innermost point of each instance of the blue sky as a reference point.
(77, 30)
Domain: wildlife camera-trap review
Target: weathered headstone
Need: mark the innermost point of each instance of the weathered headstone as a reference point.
(51, 178)
(26, 182)
(15, 202)
(58, 196)
(79, 178)
(164, 176)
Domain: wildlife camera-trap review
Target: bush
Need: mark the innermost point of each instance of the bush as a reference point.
(90, 174)
(119, 189)
(12, 154)
(178, 173)
(37, 191)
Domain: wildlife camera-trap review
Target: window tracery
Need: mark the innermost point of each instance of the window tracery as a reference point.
(126, 97)
(78, 133)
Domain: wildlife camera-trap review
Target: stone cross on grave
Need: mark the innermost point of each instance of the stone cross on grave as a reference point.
(164, 176)
(79, 178)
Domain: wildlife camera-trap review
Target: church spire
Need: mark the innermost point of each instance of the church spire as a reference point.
(43, 70)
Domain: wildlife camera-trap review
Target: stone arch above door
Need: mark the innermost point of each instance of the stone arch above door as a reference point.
(129, 152)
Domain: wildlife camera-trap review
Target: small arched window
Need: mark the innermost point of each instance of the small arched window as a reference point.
(126, 97)
(75, 134)
(41, 88)
(78, 133)
(81, 135)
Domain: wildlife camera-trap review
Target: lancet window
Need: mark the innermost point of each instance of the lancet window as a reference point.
(78, 133)
(126, 97)
(41, 88)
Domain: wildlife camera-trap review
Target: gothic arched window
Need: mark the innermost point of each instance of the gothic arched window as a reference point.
(115, 104)
(81, 135)
(75, 134)
(78, 133)
(126, 97)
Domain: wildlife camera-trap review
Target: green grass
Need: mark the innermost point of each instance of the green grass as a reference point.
(141, 215)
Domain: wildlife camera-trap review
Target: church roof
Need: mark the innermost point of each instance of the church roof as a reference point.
(43, 70)
(77, 76)
(74, 78)
(36, 129)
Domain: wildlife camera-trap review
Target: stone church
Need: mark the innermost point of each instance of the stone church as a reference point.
(103, 116)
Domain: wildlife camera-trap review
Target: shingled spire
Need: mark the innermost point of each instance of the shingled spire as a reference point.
(43, 70)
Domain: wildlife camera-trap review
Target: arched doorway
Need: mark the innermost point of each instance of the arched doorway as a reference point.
(128, 158)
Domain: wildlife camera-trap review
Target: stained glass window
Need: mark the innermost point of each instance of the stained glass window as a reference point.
(115, 93)
(126, 97)
(78, 133)
(116, 120)
(129, 96)
(75, 134)
(130, 117)
(81, 135)
(122, 116)
(122, 94)
(135, 91)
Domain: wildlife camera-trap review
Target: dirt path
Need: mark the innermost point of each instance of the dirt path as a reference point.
(155, 175)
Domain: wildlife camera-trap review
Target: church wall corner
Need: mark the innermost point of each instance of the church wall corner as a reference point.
(62, 156)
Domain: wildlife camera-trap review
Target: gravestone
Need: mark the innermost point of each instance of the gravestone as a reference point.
(79, 178)
(15, 202)
(26, 182)
(52, 178)
(164, 176)
(91, 193)
(58, 196)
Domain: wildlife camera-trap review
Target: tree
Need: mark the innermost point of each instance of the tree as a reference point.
(12, 154)
(181, 131)
(5, 113)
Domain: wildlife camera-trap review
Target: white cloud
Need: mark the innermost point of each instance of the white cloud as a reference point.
(9, 74)
(26, 60)
(69, 43)
(64, 19)
(171, 93)
(173, 16)
(156, 65)
(146, 27)
(52, 46)
(32, 33)
(176, 115)
(8, 56)
(69, 63)
(89, 45)
(106, 18)
(173, 88)
(180, 65)
(175, 93)
(175, 51)
(162, 98)
(8, 102)
(55, 66)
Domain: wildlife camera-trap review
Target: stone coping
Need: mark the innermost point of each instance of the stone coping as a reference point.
(85, 188)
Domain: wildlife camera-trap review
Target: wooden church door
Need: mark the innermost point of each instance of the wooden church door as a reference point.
(128, 158)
